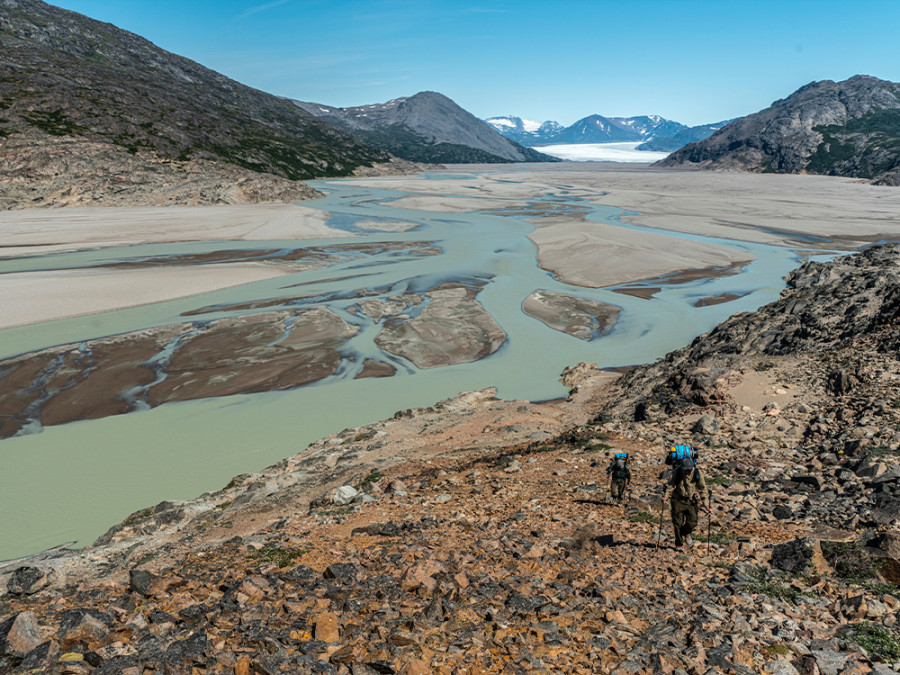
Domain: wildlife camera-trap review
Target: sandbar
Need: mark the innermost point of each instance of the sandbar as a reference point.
(41, 231)
(31, 297)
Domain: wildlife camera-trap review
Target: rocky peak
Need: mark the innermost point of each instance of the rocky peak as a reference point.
(849, 128)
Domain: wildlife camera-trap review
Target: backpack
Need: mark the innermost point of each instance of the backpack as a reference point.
(679, 452)
(619, 467)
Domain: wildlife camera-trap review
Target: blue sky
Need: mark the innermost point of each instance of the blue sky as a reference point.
(692, 61)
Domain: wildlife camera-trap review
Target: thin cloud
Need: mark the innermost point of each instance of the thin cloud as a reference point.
(262, 8)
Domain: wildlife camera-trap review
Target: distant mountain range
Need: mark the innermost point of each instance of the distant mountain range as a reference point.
(849, 128)
(426, 127)
(658, 133)
(682, 138)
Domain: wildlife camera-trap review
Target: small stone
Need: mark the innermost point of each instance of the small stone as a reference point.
(327, 628)
(139, 581)
(780, 667)
(396, 486)
(415, 667)
(443, 499)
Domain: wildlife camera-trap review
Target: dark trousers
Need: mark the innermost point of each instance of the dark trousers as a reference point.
(618, 489)
(684, 519)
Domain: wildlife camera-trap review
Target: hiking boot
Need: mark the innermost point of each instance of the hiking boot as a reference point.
(679, 549)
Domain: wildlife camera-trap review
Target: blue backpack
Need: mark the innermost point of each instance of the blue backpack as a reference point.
(677, 453)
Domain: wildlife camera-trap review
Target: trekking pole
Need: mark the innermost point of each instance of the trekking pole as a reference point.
(708, 518)
(662, 505)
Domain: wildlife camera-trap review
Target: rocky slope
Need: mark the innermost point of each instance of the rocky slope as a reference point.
(849, 128)
(426, 127)
(492, 547)
(82, 100)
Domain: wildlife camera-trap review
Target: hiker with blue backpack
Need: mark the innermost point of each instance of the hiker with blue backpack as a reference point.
(687, 489)
(619, 475)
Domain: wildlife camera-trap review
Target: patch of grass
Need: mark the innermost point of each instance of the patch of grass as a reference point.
(763, 366)
(777, 650)
(225, 505)
(875, 639)
(720, 564)
(371, 479)
(727, 480)
(598, 447)
(882, 451)
(880, 588)
(54, 123)
(762, 585)
(850, 562)
(643, 517)
(283, 557)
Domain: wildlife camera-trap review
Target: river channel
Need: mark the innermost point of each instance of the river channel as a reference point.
(70, 483)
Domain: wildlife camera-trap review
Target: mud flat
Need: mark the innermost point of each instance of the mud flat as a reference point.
(111, 376)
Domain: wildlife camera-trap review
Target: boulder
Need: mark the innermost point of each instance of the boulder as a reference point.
(706, 425)
(783, 512)
(344, 495)
(798, 555)
(29, 580)
(139, 581)
(19, 634)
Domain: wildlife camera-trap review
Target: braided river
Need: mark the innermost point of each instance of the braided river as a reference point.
(71, 482)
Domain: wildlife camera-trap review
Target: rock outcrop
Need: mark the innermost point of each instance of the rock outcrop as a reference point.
(849, 128)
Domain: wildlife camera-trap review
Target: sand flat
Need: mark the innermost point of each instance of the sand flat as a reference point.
(40, 231)
(757, 208)
(595, 254)
(32, 297)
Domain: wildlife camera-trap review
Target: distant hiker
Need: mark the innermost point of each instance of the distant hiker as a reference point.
(619, 475)
(687, 488)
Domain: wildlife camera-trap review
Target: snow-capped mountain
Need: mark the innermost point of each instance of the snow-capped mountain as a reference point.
(591, 129)
(525, 132)
(649, 126)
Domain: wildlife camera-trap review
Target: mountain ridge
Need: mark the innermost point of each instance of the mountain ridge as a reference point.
(425, 127)
(67, 80)
(849, 128)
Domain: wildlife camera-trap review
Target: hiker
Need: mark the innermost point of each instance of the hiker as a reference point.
(687, 488)
(619, 476)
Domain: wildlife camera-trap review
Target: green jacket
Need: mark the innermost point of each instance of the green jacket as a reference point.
(688, 487)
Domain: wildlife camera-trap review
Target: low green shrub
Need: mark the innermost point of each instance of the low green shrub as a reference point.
(875, 639)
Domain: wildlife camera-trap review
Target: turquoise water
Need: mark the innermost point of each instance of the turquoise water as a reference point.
(71, 482)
